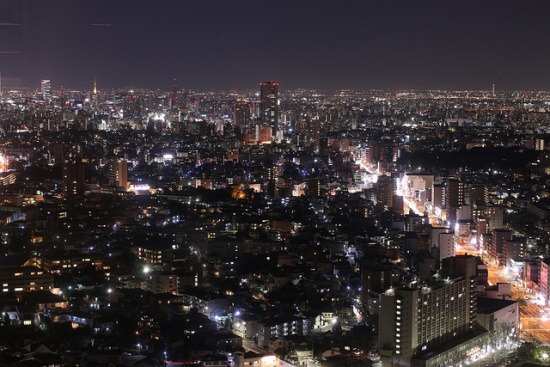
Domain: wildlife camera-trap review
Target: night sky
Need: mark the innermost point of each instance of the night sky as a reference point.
(357, 44)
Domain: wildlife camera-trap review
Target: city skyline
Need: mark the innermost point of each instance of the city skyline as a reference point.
(355, 45)
(409, 227)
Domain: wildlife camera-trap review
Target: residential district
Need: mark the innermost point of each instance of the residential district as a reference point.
(273, 227)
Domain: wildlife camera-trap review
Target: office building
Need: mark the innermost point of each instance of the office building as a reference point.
(46, 89)
(454, 198)
(385, 188)
(496, 250)
(241, 117)
(269, 109)
(73, 174)
(131, 106)
(438, 201)
(118, 174)
(494, 216)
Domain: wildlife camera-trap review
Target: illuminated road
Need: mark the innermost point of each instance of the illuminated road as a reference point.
(534, 320)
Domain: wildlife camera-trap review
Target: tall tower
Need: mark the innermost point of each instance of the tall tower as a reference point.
(10, 44)
(73, 173)
(94, 97)
(173, 94)
(269, 109)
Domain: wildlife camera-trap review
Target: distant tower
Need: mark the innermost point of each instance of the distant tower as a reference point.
(94, 97)
(269, 109)
(46, 88)
(493, 90)
(173, 94)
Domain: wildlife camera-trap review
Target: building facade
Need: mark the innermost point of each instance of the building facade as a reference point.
(269, 109)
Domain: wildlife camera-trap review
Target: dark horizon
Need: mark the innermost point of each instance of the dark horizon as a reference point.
(389, 45)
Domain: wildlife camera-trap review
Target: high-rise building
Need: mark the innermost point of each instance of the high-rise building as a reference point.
(269, 109)
(494, 216)
(434, 324)
(478, 195)
(173, 95)
(454, 197)
(514, 249)
(132, 106)
(73, 175)
(496, 249)
(385, 187)
(437, 197)
(375, 279)
(442, 239)
(46, 89)
(118, 173)
(241, 117)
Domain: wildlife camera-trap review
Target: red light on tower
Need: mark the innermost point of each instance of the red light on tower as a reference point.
(271, 83)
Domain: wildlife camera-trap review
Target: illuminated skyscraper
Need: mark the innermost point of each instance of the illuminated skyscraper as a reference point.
(46, 88)
(269, 109)
(241, 118)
